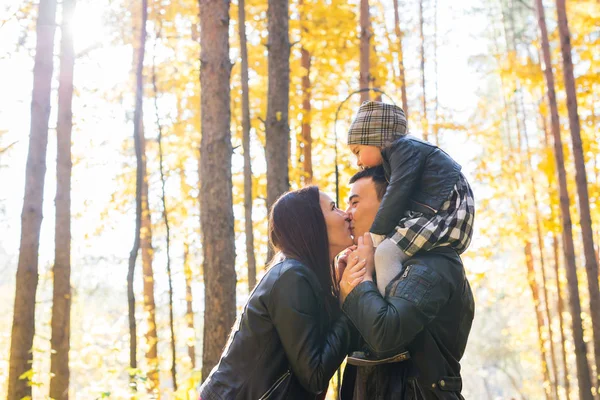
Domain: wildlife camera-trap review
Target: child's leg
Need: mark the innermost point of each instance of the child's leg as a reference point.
(388, 263)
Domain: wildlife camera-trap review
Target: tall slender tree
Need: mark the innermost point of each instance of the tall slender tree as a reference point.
(523, 138)
(560, 309)
(583, 370)
(585, 219)
(23, 327)
(365, 49)
(246, 126)
(189, 311)
(399, 37)
(306, 136)
(436, 102)
(216, 204)
(535, 292)
(61, 297)
(424, 122)
(165, 213)
(151, 335)
(278, 129)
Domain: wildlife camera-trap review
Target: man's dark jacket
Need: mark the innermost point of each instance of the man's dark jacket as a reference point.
(428, 310)
(420, 176)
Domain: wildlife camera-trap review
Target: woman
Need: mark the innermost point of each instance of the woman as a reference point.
(291, 337)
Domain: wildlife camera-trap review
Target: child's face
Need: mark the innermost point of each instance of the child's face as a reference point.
(366, 156)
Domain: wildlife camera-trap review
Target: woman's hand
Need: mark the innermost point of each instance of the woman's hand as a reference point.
(342, 262)
(354, 273)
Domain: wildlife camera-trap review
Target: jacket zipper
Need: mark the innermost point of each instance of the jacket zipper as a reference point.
(275, 385)
(426, 206)
(404, 275)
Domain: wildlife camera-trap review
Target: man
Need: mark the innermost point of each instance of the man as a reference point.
(428, 310)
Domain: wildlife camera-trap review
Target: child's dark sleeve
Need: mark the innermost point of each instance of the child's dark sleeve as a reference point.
(406, 164)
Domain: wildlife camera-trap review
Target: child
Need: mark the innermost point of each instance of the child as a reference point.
(428, 202)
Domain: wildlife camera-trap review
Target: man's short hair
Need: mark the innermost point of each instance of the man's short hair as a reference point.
(377, 175)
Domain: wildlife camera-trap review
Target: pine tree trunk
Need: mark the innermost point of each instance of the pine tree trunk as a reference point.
(145, 233)
(538, 224)
(306, 118)
(148, 274)
(189, 312)
(373, 68)
(277, 129)
(522, 127)
(583, 371)
(560, 301)
(424, 122)
(246, 147)
(585, 219)
(23, 327)
(561, 308)
(538, 314)
(216, 204)
(61, 298)
(399, 37)
(165, 215)
(436, 125)
(365, 49)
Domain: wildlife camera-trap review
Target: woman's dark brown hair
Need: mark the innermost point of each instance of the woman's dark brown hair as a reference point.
(297, 229)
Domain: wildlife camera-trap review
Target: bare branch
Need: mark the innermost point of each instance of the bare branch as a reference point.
(3, 150)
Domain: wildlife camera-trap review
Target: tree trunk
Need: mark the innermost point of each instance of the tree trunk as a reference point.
(424, 122)
(522, 127)
(560, 301)
(61, 298)
(365, 49)
(189, 312)
(165, 216)
(306, 118)
(399, 37)
(583, 371)
(436, 125)
(561, 308)
(23, 328)
(538, 314)
(540, 239)
(585, 219)
(216, 204)
(149, 303)
(246, 147)
(277, 129)
(145, 234)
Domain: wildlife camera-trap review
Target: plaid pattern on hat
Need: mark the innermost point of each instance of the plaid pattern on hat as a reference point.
(451, 226)
(377, 124)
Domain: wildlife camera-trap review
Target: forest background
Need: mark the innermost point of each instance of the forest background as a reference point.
(160, 132)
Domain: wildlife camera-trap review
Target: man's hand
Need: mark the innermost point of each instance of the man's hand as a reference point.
(365, 250)
(354, 273)
(342, 262)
